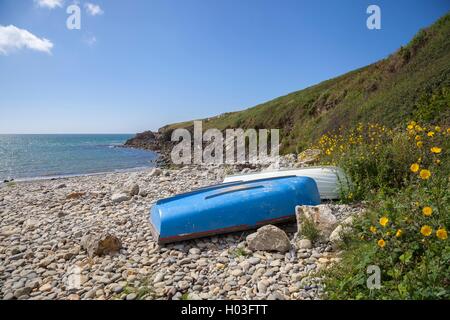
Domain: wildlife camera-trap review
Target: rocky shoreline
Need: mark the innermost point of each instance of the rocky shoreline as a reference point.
(88, 237)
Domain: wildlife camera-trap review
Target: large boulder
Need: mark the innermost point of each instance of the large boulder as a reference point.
(268, 238)
(321, 216)
(98, 244)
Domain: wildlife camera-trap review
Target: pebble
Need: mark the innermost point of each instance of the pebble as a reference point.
(41, 257)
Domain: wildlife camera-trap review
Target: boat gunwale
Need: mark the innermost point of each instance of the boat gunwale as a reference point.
(220, 231)
(285, 170)
(220, 186)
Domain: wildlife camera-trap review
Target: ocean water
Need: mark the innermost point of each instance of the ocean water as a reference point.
(41, 155)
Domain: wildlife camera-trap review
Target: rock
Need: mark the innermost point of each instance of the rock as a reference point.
(183, 285)
(320, 215)
(24, 291)
(31, 224)
(46, 261)
(75, 195)
(120, 197)
(194, 296)
(60, 186)
(254, 260)
(194, 251)
(268, 238)
(309, 156)
(8, 296)
(131, 189)
(46, 287)
(304, 244)
(236, 272)
(155, 172)
(131, 296)
(262, 286)
(100, 244)
(339, 231)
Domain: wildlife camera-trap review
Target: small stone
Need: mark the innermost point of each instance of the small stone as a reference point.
(237, 272)
(304, 244)
(131, 296)
(46, 287)
(194, 251)
(120, 197)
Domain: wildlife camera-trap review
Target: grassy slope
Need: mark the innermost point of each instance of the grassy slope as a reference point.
(387, 92)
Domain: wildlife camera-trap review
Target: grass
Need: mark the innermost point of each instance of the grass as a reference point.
(402, 175)
(413, 82)
(239, 252)
(309, 230)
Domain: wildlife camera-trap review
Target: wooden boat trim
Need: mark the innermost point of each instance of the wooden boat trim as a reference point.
(214, 232)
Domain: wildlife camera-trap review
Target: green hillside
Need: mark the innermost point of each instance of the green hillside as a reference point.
(412, 83)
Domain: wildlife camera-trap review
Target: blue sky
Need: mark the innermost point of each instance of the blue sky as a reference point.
(138, 65)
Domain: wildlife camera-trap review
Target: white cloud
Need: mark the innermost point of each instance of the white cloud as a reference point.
(51, 4)
(90, 40)
(93, 9)
(13, 38)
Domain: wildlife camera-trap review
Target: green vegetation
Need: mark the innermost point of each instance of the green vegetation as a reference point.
(412, 83)
(357, 120)
(309, 230)
(239, 252)
(403, 175)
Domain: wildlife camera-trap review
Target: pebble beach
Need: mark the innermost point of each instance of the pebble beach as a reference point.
(42, 256)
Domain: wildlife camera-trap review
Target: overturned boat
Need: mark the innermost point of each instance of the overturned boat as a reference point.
(230, 207)
(331, 181)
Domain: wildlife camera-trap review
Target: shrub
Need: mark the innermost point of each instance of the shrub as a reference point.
(309, 230)
(405, 230)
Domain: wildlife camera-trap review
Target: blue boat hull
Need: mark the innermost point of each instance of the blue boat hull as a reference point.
(230, 207)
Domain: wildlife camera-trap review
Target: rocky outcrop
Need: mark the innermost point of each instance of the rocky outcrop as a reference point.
(159, 142)
(268, 238)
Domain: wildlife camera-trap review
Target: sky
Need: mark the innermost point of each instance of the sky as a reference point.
(138, 65)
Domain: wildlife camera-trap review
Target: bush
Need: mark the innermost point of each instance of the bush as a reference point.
(404, 232)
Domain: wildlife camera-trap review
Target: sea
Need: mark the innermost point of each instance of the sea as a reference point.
(37, 156)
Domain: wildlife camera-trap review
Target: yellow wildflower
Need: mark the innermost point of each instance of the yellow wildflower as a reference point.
(436, 150)
(373, 229)
(410, 127)
(384, 221)
(441, 234)
(437, 129)
(419, 144)
(430, 134)
(425, 174)
(426, 230)
(415, 167)
(399, 233)
(427, 211)
(381, 243)
(418, 138)
(418, 128)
